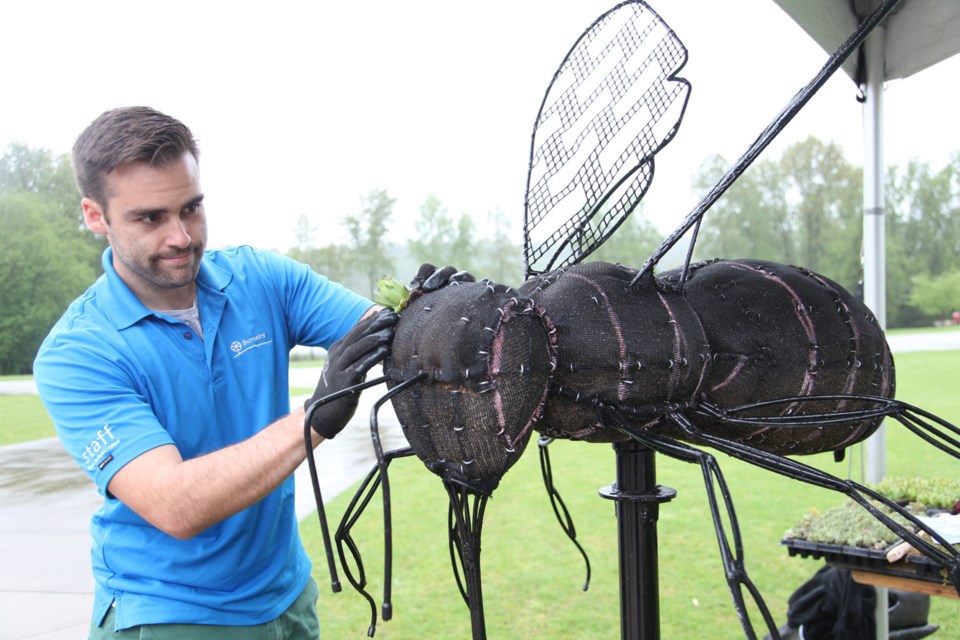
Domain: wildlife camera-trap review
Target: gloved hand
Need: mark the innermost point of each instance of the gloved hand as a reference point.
(348, 361)
(430, 278)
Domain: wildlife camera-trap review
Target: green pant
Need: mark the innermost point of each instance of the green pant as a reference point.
(299, 622)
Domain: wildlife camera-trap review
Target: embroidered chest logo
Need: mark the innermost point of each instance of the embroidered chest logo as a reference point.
(240, 347)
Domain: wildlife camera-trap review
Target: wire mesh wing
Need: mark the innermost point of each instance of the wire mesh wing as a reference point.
(613, 103)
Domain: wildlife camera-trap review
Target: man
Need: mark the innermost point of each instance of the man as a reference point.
(167, 381)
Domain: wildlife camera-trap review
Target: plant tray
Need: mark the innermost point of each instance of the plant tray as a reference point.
(913, 566)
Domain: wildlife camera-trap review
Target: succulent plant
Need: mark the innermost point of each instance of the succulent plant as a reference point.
(938, 493)
(849, 524)
(391, 293)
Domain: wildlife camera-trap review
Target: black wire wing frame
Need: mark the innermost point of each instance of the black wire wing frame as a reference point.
(613, 103)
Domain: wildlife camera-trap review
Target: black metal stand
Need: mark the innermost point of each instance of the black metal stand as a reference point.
(638, 499)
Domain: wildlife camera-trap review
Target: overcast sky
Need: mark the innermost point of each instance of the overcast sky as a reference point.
(303, 107)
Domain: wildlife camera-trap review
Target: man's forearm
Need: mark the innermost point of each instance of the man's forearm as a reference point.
(184, 497)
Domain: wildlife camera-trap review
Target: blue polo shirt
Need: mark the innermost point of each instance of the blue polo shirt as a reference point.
(119, 379)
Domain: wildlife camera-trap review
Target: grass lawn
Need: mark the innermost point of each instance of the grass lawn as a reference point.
(949, 327)
(532, 574)
(23, 418)
(306, 363)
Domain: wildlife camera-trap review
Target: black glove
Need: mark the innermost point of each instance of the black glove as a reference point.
(430, 278)
(348, 361)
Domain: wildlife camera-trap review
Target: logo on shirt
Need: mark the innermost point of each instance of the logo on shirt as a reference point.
(98, 451)
(239, 347)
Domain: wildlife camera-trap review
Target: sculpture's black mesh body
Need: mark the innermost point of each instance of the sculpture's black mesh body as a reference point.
(743, 332)
(488, 354)
(778, 331)
(639, 347)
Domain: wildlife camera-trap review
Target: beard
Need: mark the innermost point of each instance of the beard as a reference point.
(155, 271)
(172, 278)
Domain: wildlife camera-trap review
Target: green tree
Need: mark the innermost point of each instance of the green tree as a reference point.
(46, 254)
(27, 170)
(899, 274)
(631, 244)
(367, 234)
(443, 239)
(304, 231)
(332, 260)
(750, 220)
(500, 259)
(803, 208)
(937, 296)
(38, 171)
(826, 203)
(922, 232)
(45, 269)
(924, 215)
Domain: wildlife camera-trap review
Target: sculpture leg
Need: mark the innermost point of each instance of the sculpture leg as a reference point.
(466, 524)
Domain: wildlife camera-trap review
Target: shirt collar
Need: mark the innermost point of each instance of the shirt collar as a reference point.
(123, 306)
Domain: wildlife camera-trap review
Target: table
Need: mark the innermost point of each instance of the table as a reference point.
(904, 583)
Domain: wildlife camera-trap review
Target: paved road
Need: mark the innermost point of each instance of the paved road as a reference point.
(937, 341)
(46, 501)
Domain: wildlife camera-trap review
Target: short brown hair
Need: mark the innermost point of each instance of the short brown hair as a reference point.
(120, 137)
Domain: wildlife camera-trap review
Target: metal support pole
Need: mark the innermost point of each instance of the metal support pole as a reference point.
(638, 499)
(874, 238)
(874, 251)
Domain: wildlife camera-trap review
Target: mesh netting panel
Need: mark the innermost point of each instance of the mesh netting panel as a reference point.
(778, 331)
(488, 356)
(613, 103)
(638, 347)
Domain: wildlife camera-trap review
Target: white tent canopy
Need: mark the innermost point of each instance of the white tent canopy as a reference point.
(919, 33)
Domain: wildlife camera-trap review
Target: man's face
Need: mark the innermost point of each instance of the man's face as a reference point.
(156, 225)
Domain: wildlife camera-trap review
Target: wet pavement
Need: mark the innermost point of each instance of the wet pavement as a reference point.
(939, 341)
(46, 586)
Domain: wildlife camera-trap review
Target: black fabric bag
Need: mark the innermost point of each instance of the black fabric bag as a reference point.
(830, 605)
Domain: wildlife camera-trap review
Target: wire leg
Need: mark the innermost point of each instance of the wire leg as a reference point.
(378, 475)
(345, 543)
(387, 606)
(559, 508)
(942, 553)
(466, 523)
(315, 478)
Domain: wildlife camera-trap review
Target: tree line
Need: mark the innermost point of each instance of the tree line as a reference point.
(46, 255)
(804, 208)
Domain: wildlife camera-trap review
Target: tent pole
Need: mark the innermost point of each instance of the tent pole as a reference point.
(874, 252)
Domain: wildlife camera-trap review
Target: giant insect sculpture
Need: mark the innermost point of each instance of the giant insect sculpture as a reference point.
(755, 359)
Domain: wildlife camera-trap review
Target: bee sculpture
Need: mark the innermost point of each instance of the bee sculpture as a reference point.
(756, 359)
